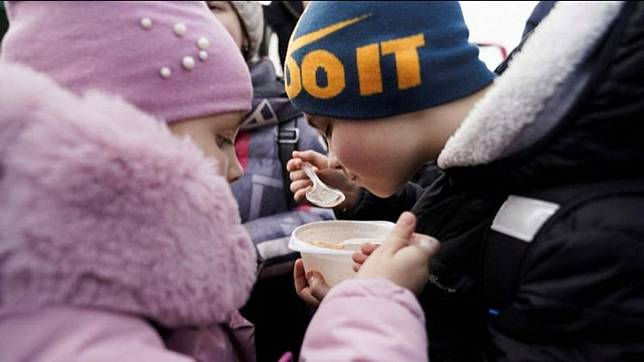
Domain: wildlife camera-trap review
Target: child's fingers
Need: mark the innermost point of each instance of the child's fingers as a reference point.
(359, 257)
(299, 184)
(401, 233)
(295, 171)
(356, 267)
(293, 164)
(297, 175)
(300, 195)
(368, 248)
(301, 284)
(428, 245)
(314, 158)
(308, 298)
(298, 275)
(317, 285)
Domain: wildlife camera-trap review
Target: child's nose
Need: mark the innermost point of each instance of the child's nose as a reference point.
(332, 161)
(235, 170)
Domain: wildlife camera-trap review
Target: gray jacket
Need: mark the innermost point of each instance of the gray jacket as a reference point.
(260, 192)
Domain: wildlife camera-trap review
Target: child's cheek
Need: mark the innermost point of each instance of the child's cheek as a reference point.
(351, 155)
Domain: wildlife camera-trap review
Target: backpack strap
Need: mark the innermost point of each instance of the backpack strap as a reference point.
(513, 229)
(288, 137)
(520, 221)
(288, 134)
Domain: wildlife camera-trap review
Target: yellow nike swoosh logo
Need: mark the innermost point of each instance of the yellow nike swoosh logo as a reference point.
(321, 33)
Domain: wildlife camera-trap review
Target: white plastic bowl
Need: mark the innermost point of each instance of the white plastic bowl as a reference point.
(334, 265)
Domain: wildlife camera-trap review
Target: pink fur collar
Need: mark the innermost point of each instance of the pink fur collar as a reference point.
(102, 207)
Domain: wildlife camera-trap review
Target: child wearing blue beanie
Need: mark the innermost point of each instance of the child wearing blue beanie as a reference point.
(386, 84)
(406, 67)
(536, 203)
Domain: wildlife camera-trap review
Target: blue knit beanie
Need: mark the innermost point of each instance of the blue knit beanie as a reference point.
(372, 59)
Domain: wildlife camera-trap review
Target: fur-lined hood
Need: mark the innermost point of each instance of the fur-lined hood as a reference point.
(102, 207)
(538, 89)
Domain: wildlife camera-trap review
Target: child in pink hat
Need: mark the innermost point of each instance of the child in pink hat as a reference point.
(121, 241)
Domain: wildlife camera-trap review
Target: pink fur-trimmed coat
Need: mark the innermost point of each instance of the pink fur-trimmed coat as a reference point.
(109, 225)
(119, 242)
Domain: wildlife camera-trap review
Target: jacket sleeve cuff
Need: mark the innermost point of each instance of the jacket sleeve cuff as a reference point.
(377, 288)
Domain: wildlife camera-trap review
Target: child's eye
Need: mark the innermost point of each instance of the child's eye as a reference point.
(216, 6)
(328, 130)
(222, 141)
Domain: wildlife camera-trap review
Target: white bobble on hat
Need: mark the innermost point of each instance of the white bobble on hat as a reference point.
(146, 23)
(203, 43)
(188, 62)
(180, 29)
(165, 72)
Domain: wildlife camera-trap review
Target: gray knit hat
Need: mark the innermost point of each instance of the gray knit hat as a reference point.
(252, 20)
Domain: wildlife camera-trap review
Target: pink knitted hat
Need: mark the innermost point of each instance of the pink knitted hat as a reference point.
(173, 60)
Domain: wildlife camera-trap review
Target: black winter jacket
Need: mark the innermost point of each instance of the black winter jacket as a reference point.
(573, 289)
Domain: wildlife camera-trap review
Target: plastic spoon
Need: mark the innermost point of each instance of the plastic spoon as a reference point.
(349, 244)
(356, 243)
(321, 194)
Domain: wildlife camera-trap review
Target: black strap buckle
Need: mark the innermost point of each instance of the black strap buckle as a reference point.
(288, 135)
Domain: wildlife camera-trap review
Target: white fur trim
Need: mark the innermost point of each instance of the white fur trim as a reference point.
(557, 47)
